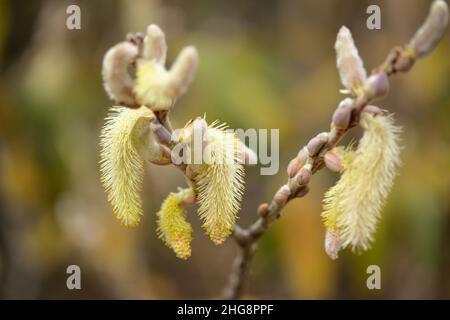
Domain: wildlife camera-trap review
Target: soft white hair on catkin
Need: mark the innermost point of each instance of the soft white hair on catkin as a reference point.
(352, 207)
(122, 162)
(220, 184)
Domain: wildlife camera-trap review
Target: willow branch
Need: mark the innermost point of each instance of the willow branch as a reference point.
(399, 59)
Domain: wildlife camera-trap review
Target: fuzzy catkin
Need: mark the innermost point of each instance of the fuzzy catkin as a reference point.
(173, 228)
(122, 163)
(352, 207)
(117, 82)
(220, 184)
(349, 63)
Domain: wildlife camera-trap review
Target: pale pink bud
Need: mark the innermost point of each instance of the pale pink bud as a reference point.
(282, 195)
(432, 30)
(263, 210)
(349, 64)
(315, 144)
(303, 155)
(404, 62)
(155, 47)
(377, 85)
(332, 244)
(374, 110)
(189, 199)
(304, 176)
(183, 71)
(293, 167)
(333, 161)
(342, 115)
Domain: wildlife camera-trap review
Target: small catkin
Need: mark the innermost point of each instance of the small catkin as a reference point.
(352, 207)
(117, 81)
(432, 30)
(151, 86)
(349, 63)
(158, 88)
(219, 184)
(172, 226)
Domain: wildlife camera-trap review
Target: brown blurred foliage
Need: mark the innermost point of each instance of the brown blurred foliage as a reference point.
(262, 65)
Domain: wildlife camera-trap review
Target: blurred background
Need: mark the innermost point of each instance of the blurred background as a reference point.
(264, 64)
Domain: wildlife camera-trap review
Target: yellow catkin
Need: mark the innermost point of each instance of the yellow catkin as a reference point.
(173, 228)
(352, 207)
(219, 184)
(152, 86)
(121, 164)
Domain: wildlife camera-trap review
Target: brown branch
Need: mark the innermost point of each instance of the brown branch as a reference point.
(399, 59)
(312, 157)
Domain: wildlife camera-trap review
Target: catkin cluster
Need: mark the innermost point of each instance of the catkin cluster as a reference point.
(137, 131)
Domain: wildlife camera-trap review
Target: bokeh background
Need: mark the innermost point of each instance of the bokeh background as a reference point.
(264, 64)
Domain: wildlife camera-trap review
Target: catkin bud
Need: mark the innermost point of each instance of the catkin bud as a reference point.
(374, 110)
(429, 34)
(156, 87)
(189, 199)
(404, 62)
(333, 161)
(315, 144)
(377, 85)
(342, 115)
(332, 244)
(263, 210)
(282, 195)
(304, 176)
(183, 71)
(155, 47)
(303, 154)
(117, 81)
(293, 167)
(349, 63)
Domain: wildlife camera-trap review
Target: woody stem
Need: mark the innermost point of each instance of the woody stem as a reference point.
(247, 238)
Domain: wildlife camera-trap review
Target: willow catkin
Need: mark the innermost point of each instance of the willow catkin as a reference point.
(349, 63)
(173, 227)
(352, 207)
(219, 183)
(123, 140)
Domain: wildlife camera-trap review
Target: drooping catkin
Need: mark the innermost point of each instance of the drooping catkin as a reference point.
(122, 162)
(352, 207)
(173, 227)
(219, 183)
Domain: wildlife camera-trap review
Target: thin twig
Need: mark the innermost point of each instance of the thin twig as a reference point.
(247, 238)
